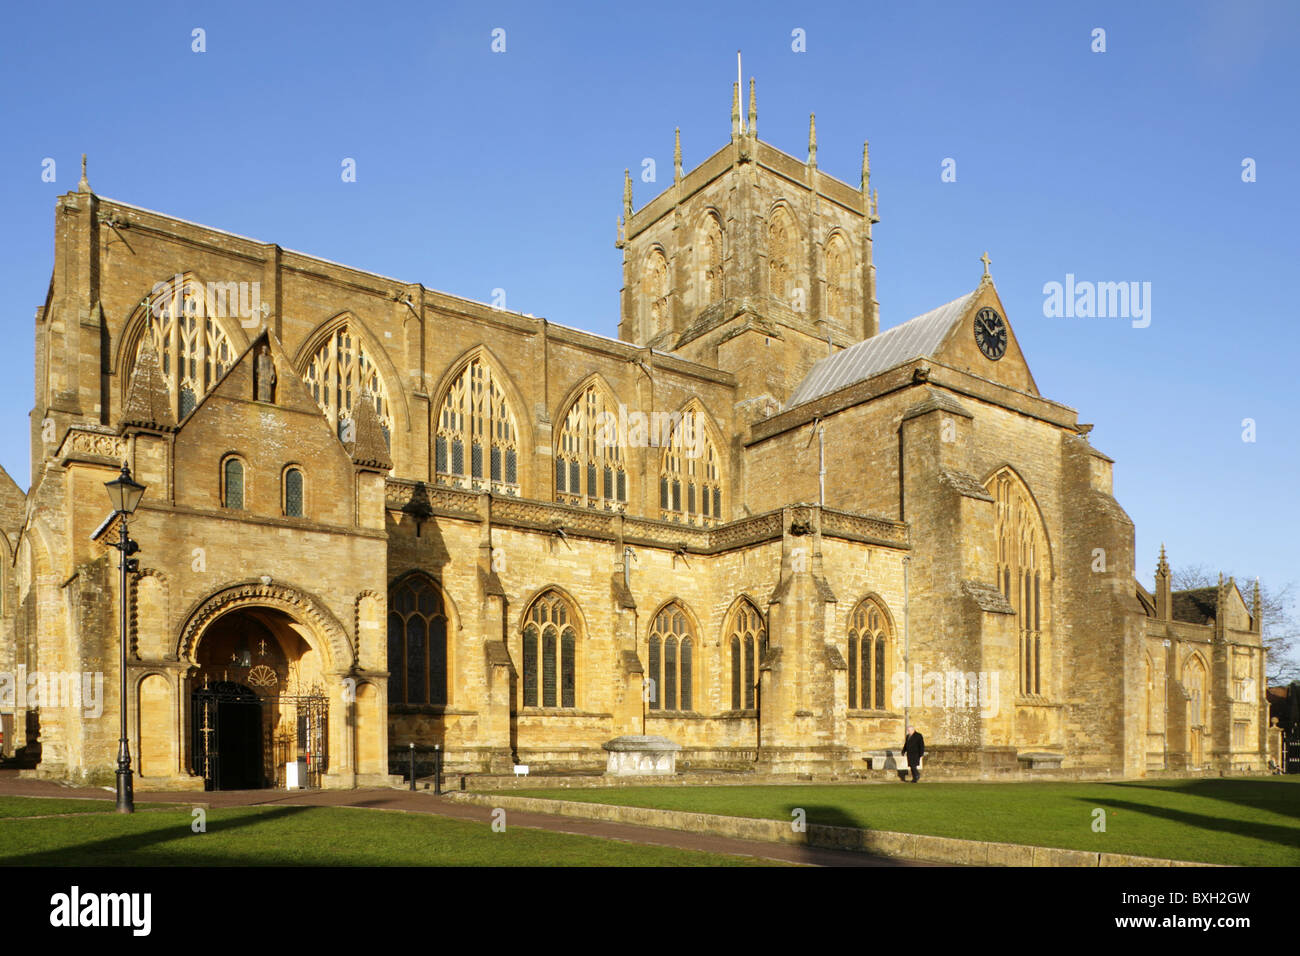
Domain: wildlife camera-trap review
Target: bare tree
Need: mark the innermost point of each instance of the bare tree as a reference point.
(1280, 632)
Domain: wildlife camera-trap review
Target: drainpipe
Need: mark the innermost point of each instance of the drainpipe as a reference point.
(820, 429)
(821, 462)
(628, 556)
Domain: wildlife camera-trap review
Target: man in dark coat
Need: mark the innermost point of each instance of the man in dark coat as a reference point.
(914, 750)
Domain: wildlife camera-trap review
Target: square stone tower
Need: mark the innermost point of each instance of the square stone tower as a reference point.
(754, 262)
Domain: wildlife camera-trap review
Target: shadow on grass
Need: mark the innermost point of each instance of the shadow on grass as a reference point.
(1267, 832)
(1274, 795)
(118, 850)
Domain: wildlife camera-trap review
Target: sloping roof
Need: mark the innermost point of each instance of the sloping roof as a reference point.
(1146, 599)
(369, 446)
(988, 598)
(967, 485)
(916, 338)
(148, 402)
(1196, 606)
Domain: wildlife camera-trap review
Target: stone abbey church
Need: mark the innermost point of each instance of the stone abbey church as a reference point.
(755, 524)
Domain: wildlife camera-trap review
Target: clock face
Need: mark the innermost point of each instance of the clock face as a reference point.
(991, 334)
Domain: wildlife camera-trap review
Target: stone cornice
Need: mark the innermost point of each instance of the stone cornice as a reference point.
(247, 518)
(423, 501)
(775, 161)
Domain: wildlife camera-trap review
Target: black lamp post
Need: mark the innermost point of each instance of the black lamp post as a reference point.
(125, 495)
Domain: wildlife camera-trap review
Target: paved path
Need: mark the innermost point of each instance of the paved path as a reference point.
(423, 801)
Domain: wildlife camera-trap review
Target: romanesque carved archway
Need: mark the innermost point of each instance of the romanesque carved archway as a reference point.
(323, 627)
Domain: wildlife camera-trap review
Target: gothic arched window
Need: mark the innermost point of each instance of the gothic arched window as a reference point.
(476, 444)
(710, 257)
(341, 374)
(747, 640)
(870, 642)
(654, 293)
(590, 469)
(839, 279)
(193, 349)
(690, 474)
(417, 643)
(1023, 572)
(672, 660)
(550, 639)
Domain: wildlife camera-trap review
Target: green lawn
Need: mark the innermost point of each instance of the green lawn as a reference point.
(312, 836)
(1247, 822)
(39, 806)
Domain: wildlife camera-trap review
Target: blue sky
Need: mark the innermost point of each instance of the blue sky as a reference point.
(479, 170)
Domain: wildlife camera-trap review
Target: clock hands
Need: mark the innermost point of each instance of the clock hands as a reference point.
(990, 333)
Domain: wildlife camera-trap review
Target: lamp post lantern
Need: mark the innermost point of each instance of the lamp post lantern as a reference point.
(125, 494)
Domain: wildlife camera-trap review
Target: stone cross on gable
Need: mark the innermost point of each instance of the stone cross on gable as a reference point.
(985, 259)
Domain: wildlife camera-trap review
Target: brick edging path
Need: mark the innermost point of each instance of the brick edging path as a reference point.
(908, 846)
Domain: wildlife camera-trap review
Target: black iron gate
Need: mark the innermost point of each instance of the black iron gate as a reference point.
(235, 745)
(307, 744)
(227, 752)
(1291, 751)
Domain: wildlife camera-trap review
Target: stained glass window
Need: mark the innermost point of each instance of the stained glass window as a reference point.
(550, 646)
(1022, 566)
(671, 632)
(293, 493)
(476, 443)
(690, 459)
(869, 638)
(748, 641)
(233, 490)
(341, 374)
(417, 643)
(193, 349)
